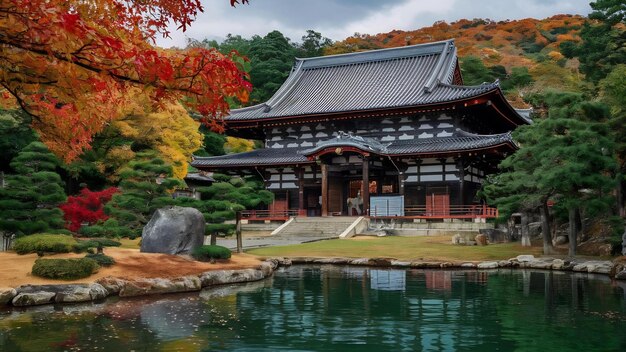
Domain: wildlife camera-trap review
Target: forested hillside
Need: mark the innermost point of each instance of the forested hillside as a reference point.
(529, 49)
(518, 53)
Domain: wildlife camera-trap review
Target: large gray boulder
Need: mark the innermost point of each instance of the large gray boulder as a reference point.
(173, 230)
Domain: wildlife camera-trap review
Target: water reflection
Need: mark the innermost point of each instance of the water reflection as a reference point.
(332, 308)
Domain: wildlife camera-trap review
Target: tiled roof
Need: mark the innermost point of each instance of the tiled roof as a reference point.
(258, 157)
(194, 176)
(525, 114)
(389, 78)
(447, 144)
(461, 141)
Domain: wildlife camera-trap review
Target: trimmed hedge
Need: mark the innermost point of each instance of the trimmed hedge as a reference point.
(110, 228)
(43, 242)
(84, 245)
(101, 259)
(65, 269)
(206, 253)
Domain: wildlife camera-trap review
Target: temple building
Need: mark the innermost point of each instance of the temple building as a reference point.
(390, 132)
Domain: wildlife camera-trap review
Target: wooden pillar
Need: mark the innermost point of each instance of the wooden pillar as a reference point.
(324, 190)
(238, 232)
(401, 177)
(301, 210)
(365, 186)
(401, 183)
(460, 164)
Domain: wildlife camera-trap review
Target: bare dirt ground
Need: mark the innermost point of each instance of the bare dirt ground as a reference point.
(130, 264)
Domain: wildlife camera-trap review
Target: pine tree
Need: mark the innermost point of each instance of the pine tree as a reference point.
(613, 93)
(567, 156)
(223, 199)
(146, 185)
(30, 198)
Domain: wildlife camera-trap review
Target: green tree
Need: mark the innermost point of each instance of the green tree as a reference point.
(613, 93)
(30, 198)
(146, 185)
(475, 72)
(15, 134)
(313, 44)
(610, 11)
(517, 188)
(518, 78)
(213, 143)
(223, 199)
(603, 44)
(271, 59)
(566, 156)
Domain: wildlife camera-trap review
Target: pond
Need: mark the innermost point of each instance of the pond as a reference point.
(330, 308)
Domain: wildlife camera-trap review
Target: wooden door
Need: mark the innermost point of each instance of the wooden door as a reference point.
(437, 204)
(335, 195)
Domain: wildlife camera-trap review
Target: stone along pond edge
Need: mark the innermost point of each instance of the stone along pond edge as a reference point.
(32, 295)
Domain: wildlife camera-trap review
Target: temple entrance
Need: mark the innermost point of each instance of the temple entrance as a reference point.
(313, 200)
(343, 178)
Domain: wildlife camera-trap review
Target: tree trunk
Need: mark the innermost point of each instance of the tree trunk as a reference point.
(579, 223)
(624, 241)
(620, 196)
(213, 238)
(572, 232)
(525, 232)
(545, 229)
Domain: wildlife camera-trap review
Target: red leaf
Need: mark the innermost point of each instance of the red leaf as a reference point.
(69, 22)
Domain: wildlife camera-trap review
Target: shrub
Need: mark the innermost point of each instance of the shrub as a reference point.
(85, 245)
(86, 207)
(65, 269)
(43, 242)
(110, 228)
(206, 253)
(101, 259)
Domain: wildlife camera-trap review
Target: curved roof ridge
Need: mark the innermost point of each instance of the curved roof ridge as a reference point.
(248, 108)
(375, 55)
(492, 85)
(434, 79)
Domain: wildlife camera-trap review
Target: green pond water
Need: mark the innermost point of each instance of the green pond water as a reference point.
(327, 308)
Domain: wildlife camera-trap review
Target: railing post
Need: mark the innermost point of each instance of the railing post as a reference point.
(238, 232)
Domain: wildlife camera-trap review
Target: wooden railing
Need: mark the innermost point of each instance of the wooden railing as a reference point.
(275, 215)
(448, 212)
(410, 212)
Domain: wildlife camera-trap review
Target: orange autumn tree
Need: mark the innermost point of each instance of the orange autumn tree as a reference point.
(71, 63)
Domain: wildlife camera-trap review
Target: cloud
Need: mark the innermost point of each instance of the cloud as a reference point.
(404, 15)
(338, 19)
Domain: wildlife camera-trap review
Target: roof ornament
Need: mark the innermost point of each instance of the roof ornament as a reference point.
(363, 142)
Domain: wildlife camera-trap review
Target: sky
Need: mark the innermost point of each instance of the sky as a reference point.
(339, 19)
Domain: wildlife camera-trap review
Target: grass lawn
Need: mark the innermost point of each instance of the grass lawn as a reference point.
(435, 248)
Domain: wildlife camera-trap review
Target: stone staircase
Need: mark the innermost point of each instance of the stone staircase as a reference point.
(314, 228)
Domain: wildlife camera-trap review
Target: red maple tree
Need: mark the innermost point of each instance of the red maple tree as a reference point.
(88, 207)
(71, 63)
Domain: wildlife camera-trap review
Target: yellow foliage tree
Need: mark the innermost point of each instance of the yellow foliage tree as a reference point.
(238, 145)
(170, 131)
